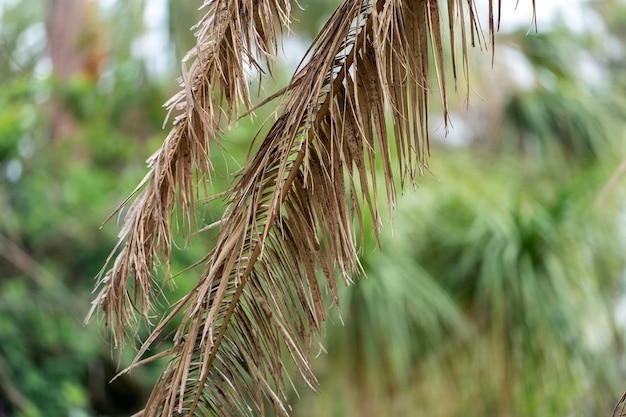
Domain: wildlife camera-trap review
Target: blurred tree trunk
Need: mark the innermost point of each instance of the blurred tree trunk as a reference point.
(76, 49)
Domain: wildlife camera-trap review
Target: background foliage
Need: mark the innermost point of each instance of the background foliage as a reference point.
(499, 287)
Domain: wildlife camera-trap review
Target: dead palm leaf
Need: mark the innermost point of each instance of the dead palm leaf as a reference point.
(298, 202)
(230, 34)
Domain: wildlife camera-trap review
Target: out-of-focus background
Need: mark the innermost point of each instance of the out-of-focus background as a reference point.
(499, 288)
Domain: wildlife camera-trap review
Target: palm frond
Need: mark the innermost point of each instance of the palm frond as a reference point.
(296, 206)
(230, 34)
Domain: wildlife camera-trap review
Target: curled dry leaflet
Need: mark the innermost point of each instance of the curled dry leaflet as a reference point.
(289, 229)
(619, 410)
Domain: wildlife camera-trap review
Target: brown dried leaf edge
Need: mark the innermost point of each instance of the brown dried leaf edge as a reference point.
(293, 213)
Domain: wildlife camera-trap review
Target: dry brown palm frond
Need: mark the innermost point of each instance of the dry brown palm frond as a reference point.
(231, 34)
(295, 208)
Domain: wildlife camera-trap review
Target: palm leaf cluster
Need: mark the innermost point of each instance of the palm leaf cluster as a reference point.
(563, 110)
(298, 203)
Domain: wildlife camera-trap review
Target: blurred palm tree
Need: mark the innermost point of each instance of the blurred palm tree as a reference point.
(493, 297)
